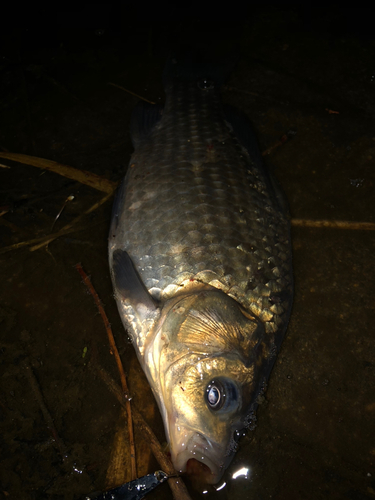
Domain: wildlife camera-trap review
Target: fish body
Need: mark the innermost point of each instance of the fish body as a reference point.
(200, 259)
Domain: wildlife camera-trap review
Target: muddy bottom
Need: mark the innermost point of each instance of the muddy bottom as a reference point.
(60, 426)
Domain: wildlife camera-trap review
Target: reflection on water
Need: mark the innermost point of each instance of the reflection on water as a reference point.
(221, 486)
(243, 472)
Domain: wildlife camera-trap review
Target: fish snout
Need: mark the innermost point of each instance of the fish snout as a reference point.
(198, 457)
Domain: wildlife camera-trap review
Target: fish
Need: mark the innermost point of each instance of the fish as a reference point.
(201, 265)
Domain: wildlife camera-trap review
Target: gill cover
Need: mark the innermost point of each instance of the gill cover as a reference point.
(212, 322)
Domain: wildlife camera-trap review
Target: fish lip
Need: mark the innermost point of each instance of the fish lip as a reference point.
(199, 448)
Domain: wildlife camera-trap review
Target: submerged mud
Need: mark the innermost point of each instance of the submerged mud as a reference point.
(314, 428)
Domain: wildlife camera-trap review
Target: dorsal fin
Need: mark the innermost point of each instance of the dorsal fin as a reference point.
(145, 117)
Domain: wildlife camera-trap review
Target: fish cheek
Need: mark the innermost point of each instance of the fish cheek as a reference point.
(186, 407)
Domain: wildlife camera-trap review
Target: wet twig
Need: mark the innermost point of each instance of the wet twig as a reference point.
(339, 224)
(283, 139)
(46, 414)
(43, 239)
(129, 92)
(69, 198)
(176, 484)
(114, 351)
(69, 227)
(82, 176)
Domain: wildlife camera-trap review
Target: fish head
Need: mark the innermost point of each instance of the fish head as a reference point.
(204, 364)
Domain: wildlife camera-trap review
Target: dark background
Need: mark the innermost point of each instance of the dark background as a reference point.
(304, 69)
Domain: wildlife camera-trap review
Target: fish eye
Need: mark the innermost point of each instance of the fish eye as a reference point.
(221, 394)
(215, 395)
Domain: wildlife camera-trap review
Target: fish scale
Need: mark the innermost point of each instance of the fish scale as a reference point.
(187, 212)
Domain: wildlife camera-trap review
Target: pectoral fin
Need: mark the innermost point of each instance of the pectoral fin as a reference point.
(129, 287)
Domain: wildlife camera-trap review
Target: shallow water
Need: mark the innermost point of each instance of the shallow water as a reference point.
(315, 435)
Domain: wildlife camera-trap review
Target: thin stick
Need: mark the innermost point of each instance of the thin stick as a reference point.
(175, 483)
(338, 224)
(46, 414)
(69, 198)
(283, 139)
(44, 239)
(129, 92)
(82, 176)
(120, 368)
(68, 227)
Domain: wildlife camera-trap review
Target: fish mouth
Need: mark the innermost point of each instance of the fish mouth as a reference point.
(195, 455)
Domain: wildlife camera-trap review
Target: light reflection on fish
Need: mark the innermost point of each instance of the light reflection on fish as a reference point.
(200, 259)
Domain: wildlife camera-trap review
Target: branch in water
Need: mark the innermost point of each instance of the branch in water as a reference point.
(339, 224)
(175, 483)
(114, 351)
